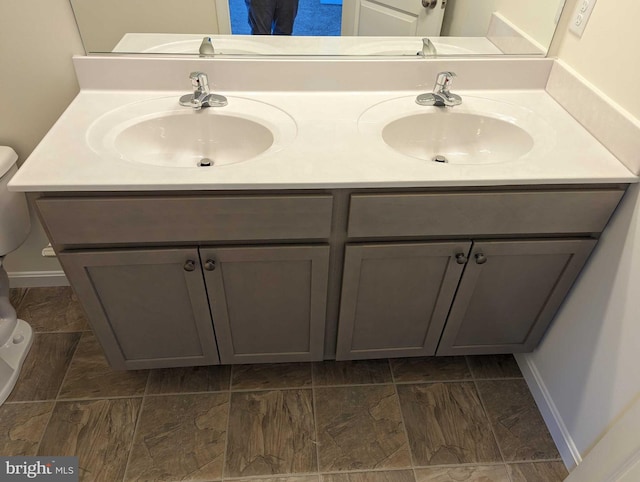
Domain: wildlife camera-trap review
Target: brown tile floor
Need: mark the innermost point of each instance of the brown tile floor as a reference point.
(403, 420)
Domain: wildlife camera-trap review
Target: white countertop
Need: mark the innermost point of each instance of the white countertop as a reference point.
(329, 150)
(168, 43)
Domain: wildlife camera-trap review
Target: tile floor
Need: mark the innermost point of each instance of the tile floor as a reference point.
(403, 420)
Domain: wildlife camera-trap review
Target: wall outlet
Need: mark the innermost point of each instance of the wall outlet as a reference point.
(580, 16)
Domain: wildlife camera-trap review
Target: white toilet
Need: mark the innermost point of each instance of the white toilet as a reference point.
(15, 335)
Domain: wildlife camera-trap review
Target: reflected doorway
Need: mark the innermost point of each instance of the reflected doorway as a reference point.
(314, 18)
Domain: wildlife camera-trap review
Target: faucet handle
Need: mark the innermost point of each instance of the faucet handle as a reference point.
(444, 80)
(199, 81)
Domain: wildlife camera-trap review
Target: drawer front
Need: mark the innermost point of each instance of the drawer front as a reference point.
(79, 221)
(394, 215)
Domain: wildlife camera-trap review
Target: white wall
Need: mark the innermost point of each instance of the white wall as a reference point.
(37, 41)
(607, 54)
(104, 22)
(589, 359)
(537, 19)
(470, 18)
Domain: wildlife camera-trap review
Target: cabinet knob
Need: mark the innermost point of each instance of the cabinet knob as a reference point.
(480, 258)
(190, 265)
(210, 264)
(429, 3)
(461, 258)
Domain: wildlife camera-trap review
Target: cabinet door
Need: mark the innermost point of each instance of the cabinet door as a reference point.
(148, 308)
(268, 303)
(509, 294)
(395, 297)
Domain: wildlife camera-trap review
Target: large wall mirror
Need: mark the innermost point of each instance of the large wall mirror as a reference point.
(321, 27)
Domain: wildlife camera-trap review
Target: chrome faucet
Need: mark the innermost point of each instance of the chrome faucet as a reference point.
(441, 97)
(201, 96)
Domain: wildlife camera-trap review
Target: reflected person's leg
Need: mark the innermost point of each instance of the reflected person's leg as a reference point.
(261, 13)
(285, 14)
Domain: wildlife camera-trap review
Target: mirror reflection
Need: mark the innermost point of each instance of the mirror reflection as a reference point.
(318, 27)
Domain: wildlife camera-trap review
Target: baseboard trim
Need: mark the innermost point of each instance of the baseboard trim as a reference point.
(559, 432)
(33, 279)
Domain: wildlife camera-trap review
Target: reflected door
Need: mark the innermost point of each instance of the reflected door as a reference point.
(393, 17)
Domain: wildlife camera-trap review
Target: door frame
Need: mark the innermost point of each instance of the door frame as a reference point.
(616, 456)
(224, 17)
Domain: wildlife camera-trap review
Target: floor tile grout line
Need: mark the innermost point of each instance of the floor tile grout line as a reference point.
(24, 402)
(464, 464)
(403, 382)
(493, 379)
(265, 477)
(426, 382)
(149, 395)
(20, 301)
(97, 399)
(66, 373)
(133, 439)
(267, 389)
(55, 332)
(365, 471)
(245, 390)
(55, 404)
(402, 420)
(486, 414)
(285, 475)
(315, 419)
(226, 434)
(146, 385)
(534, 461)
(469, 368)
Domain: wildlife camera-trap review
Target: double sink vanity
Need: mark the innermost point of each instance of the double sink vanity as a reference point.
(324, 214)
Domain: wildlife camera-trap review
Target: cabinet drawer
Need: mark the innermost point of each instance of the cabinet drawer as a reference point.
(185, 219)
(486, 213)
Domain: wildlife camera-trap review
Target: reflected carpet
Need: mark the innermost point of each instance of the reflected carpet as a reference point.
(314, 18)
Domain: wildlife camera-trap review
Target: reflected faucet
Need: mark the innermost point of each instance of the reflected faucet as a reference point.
(206, 48)
(201, 96)
(428, 49)
(441, 97)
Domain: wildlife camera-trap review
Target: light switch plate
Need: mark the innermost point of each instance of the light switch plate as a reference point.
(580, 16)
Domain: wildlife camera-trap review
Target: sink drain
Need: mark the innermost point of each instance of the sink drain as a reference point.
(440, 159)
(205, 162)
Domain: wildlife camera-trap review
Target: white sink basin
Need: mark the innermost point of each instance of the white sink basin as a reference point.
(160, 132)
(480, 131)
(412, 45)
(222, 46)
(402, 47)
(461, 138)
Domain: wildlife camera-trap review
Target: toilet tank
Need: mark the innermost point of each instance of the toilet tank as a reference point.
(14, 212)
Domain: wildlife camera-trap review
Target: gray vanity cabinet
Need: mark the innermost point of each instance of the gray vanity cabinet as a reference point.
(268, 302)
(527, 248)
(509, 293)
(148, 307)
(186, 279)
(395, 297)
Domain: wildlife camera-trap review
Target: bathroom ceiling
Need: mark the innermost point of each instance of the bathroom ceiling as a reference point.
(458, 27)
